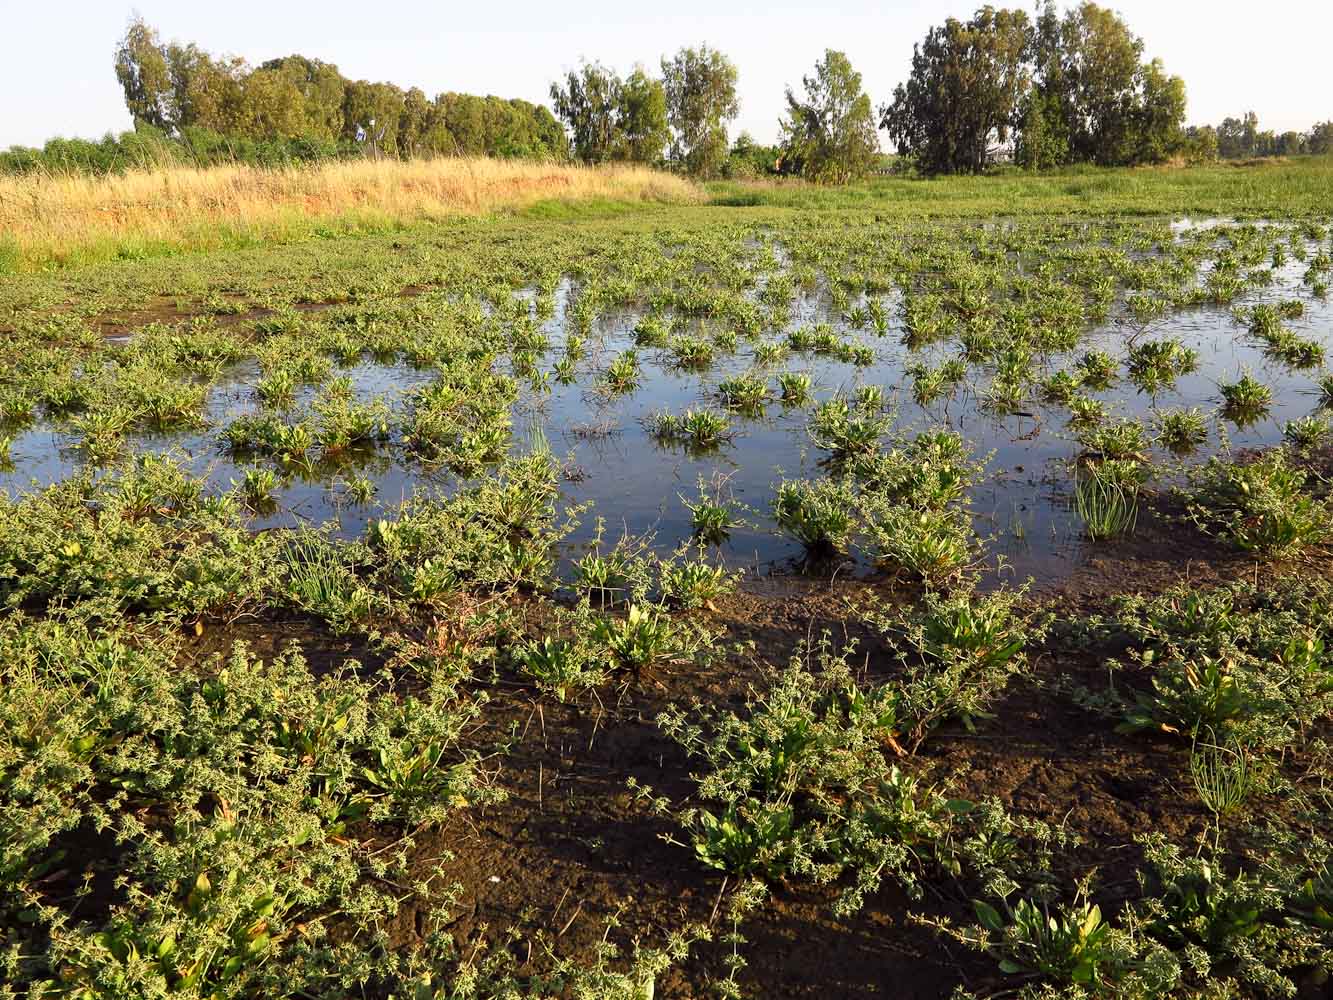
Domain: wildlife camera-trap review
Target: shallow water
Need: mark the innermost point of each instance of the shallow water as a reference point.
(1024, 508)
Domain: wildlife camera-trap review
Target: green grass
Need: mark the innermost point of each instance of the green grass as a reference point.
(1279, 190)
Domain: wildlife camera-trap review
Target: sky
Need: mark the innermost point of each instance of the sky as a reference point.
(57, 77)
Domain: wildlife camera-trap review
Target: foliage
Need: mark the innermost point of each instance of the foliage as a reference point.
(967, 78)
(612, 119)
(700, 86)
(1260, 505)
(830, 135)
(302, 109)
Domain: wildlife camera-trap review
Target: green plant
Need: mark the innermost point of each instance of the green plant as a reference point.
(817, 514)
(693, 583)
(1182, 431)
(836, 427)
(1097, 370)
(561, 665)
(1106, 499)
(1246, 399)
(1222, 778)
(1155, 365)
(1068, 946)
(1306, 433)
(1190, 697)
(1259, 505)
(795, 387)
(699, 429)
(743, 392)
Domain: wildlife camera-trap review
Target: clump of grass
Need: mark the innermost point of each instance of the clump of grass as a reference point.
(701, 429)
(623, 373)
(1097, 370)
(746, 393)
(652, 331)
(1124, 439)
(931, 384)
(1106, 499)
(845, 431)
(1084, 411)
(715, 513)
(1060, 387)
(817, 514)
(692, 352)
(1306, 433)
(1156, 364)
(795, 387)
(1326, 391)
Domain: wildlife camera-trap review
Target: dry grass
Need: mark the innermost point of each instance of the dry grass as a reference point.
(70, 219)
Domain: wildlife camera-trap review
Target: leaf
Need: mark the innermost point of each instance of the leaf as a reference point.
(1092, 920)
(988, 915)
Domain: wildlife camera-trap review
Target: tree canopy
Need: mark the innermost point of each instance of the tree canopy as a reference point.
(829, 135)
(962, 96)
(612, 119)
(1066, 89)
(178, 88)
(700, 86)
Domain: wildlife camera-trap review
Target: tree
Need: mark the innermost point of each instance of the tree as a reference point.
(641, 119)
(748, 159)
(322, 90)
(830, 135)
(1042, 139)
(1101, 68)
(966, 82)
(1159, 115)
(1291, 143)
(205, 92)
(371, 113)
(587, 104)
(302, 107)
(1237, 137)
(700, 86)
(1320, 139)
(1092, 99)
(141, 68)
(1200, 144)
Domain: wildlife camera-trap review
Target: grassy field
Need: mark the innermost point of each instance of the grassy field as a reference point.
(65, 221)
(582, 584)
(1269, 189)
(68, 220)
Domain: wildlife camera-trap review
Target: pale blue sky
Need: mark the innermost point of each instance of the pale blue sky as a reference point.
(57, 78)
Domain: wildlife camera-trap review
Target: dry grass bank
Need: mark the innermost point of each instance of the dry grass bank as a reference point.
(71, 219)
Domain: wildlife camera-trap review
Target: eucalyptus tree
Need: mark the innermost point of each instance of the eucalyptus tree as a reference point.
(966, 83)
(612, 119)
(700, 87)
(830, 135)
(141, 68)
(587, 104)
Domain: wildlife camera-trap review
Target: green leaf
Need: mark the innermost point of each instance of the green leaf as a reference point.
(988, 915)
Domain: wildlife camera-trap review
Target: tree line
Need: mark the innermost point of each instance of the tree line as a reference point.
(1043, 91)
(680, 119)
(191, 106)
(1242, 139)
(1047, 91)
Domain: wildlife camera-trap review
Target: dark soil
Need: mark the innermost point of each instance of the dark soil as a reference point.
(572, 847)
